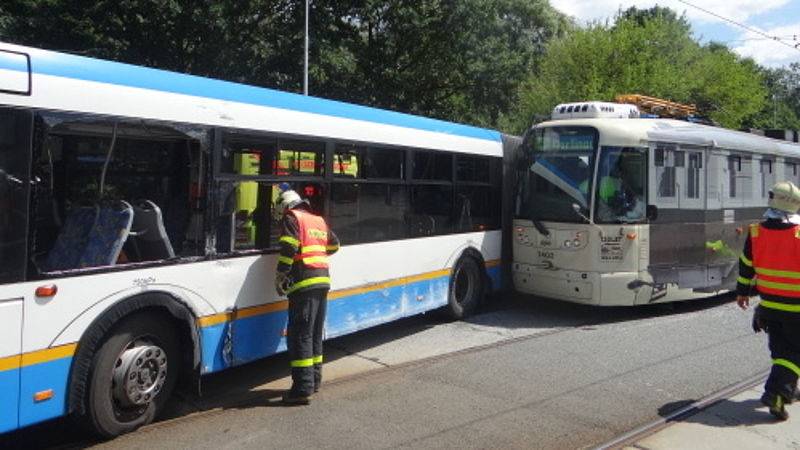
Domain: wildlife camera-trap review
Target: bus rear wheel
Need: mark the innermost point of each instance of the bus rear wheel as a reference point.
(467, 288)
(133, 375)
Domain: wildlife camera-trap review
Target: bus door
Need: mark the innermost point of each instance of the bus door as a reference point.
(15, 144)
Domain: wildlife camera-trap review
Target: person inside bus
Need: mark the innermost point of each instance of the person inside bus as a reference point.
(302, 275)
(770, 268)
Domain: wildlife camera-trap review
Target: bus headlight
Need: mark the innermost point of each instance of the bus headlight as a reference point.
(567, 243)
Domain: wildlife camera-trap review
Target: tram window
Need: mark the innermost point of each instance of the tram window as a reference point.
(693, 186)
(680, 158)
(665, 172)
(767, 177)
(659, 157)
(734, 167)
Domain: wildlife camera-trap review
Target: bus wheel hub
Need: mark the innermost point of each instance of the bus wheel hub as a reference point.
(139, 375)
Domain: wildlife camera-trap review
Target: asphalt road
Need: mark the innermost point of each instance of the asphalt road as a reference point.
(526, 374)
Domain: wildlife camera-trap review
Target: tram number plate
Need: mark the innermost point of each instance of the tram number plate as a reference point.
(611, 249)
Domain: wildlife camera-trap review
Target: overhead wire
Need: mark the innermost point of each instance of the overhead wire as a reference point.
(738, 24)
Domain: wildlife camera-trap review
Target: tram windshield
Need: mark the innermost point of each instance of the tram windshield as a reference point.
(621, 185)
(558, 176)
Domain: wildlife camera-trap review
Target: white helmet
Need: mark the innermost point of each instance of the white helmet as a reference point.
(287, 200)
(785, 196)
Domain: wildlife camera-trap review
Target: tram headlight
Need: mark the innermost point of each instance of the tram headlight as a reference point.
(576, 242)
(567, 243)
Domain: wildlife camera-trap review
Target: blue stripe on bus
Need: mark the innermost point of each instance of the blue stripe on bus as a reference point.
(495, 276)
(41, 377)
(9, 406)
(90, 69)
(262, 335)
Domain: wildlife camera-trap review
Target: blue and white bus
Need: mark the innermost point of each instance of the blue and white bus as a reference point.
(137, 244)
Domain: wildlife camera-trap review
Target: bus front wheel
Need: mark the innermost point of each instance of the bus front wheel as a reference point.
(467, 288)
(133, 375)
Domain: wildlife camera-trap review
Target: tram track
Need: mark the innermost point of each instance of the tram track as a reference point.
(637, 434)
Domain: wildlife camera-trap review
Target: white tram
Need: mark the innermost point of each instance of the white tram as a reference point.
(614, 209)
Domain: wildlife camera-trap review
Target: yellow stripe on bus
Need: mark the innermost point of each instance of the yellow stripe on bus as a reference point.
(37, 357)
(216, 319)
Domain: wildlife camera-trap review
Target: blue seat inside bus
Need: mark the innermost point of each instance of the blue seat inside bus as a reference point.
(91, 237)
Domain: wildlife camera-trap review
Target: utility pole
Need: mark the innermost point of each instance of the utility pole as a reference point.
(305, 56)
(774, 111)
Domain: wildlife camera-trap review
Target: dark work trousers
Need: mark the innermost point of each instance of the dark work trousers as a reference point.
(784, 345)
(304, 339)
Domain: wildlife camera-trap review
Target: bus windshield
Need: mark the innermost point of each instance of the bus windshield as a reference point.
(559, 175)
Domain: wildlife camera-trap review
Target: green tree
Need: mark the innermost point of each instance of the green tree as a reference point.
(454, 59)
(647, 52)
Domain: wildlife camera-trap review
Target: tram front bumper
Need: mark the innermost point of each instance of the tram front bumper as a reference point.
(591, 288)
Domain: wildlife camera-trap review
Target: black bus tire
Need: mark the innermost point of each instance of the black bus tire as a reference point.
(145, 343)
(467, 288)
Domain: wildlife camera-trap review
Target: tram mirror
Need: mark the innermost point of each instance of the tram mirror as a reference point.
(652, 212)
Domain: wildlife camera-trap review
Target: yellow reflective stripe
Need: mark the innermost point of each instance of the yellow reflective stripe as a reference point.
(746, 261)
(753, 230)
(290, 240)
(285, 260)
(776, 285)
(308, 362)
(788, 364)
(317, 359)
(312, 249)
(777, 273)
(309, 282)
(746, 281)
(780, 306)
(315, 259)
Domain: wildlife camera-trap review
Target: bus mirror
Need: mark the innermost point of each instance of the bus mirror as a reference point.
(652, 212)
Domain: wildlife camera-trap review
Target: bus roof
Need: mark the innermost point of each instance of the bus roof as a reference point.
(636, 132)
(43, 62)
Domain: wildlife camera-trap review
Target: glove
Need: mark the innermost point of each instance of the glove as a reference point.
(758, 323)
(282, 283)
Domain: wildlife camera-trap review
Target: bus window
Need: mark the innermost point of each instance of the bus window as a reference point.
(15, 147)
(621, 185)
(246, 221)
(299, 158)
(112, 193)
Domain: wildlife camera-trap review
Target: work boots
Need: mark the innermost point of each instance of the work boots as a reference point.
(776, 405)
(292, 399)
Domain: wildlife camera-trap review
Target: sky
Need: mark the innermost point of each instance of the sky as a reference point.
(775, 18)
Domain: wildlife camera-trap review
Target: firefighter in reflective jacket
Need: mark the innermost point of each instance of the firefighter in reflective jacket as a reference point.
(770, 268)
(302, 275)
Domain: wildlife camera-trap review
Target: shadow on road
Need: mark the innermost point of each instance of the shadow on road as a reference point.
(725, 413)
(237, 387)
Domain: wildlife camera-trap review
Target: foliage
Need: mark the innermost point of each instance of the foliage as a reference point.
(647, 52)
(459, 60)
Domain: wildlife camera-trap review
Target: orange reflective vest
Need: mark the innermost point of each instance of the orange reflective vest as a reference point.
(312, 251)
(776, 260)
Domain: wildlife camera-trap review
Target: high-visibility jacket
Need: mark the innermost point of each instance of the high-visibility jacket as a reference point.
(775, 262)
(306, 243)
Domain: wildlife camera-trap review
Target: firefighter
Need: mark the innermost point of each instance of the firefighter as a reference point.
(302, 275)
(770, 268)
